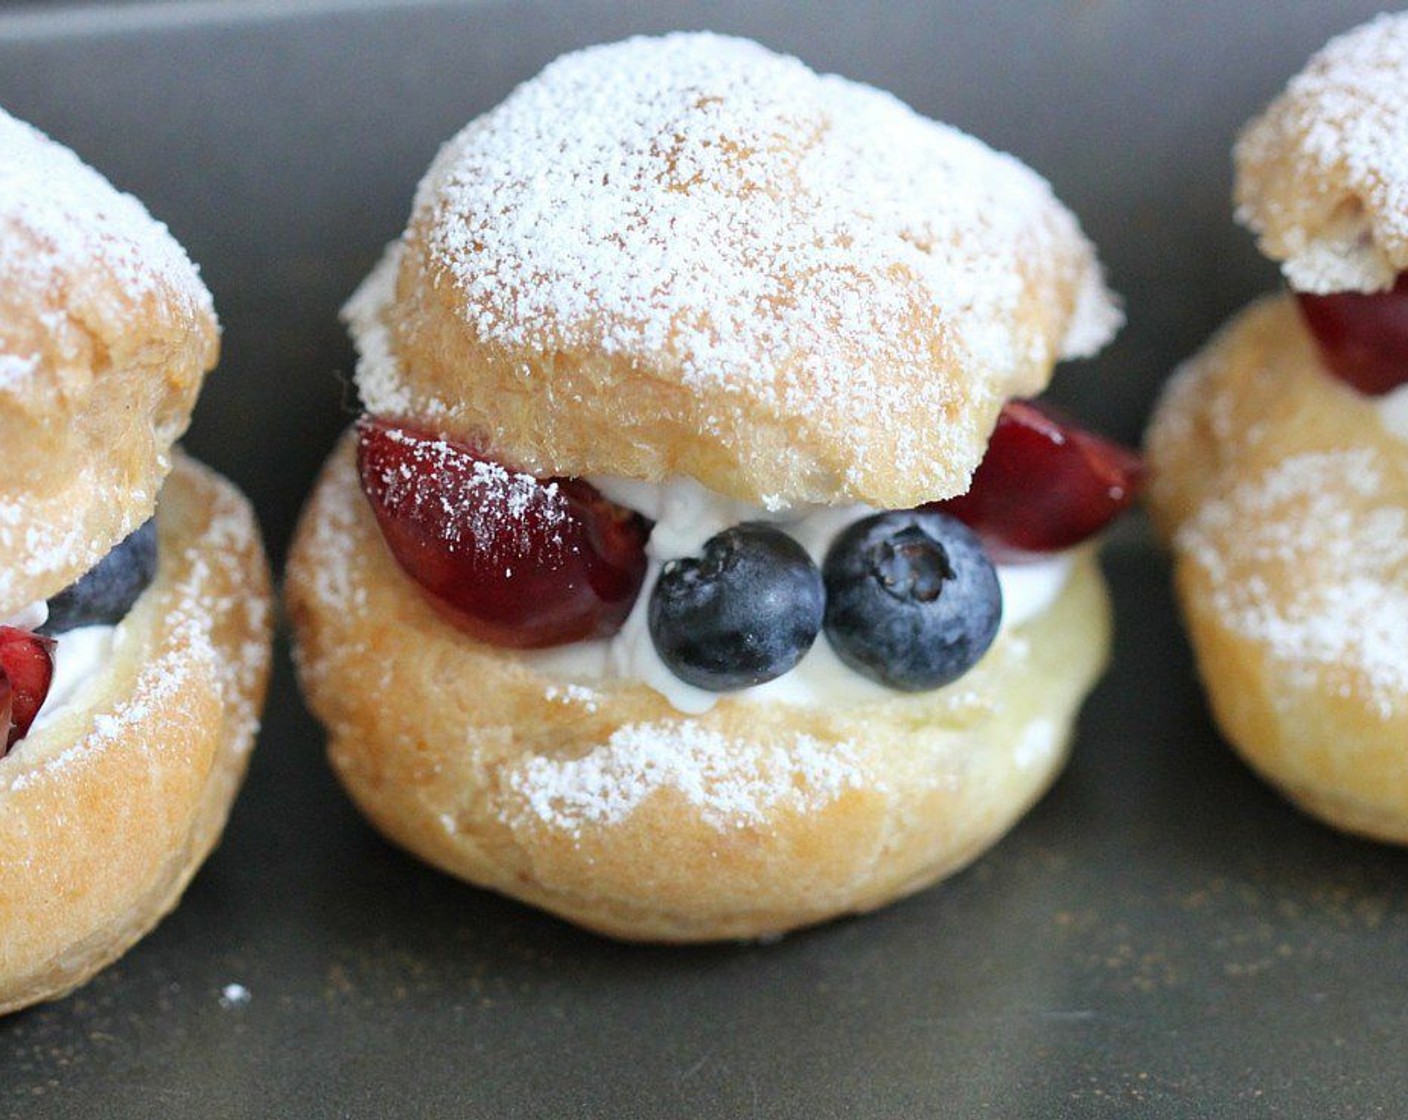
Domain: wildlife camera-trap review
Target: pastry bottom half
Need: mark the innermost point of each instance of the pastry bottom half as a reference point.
(598, 801)
(1285, 499)
(107, 810)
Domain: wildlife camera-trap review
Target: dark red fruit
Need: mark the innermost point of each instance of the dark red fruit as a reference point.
(512, 560)
(26, 668)
(1363, 336)
(1044, 485)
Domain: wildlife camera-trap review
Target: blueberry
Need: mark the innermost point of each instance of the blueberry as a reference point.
(106, 593)
(742, 613)
(912, 600)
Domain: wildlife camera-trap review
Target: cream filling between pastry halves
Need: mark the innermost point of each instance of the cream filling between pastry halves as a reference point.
(1393, 412)
(686, 515)
(79, 656)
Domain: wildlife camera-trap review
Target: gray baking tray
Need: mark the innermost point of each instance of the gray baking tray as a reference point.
(1162, 936)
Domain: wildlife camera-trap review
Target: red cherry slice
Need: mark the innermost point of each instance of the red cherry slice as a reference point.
(7, 711)
(1363, 336)
(1045, 484)
(27, 668)
(509, 559)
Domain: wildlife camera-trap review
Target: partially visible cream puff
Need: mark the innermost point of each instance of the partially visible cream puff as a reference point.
(134, 594)
(657, 588)
(1279, 454)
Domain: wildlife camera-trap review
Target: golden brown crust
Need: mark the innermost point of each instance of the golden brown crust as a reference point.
(1322, 174)
(756, 277)
(1286, 500)
(107, 811)
(105, 334)
(600, 802)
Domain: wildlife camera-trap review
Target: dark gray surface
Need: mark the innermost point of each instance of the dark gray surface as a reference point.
(1161, 934)
(1161, 931)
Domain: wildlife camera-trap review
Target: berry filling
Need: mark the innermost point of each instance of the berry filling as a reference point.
(912, 600)
(26, 671)
(1045, 485)
(744, 612)
(1362, 336)
(908, 599)
(92, 605)
(110, 589)
(511, 560)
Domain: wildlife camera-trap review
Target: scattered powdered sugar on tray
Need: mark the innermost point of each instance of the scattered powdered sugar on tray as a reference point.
(1331, 582)
(60, 218)
(234, 995)
(772, 231)
(730, 783)
(1343, 118)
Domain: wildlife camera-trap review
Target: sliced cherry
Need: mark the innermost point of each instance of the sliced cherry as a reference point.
(1363, 336)
(1045, 484)
(512, 560)
(26, 669)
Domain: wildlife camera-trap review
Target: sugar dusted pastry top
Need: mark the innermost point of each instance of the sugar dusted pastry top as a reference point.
(1322, 175)
(689, 255)
(105, 333)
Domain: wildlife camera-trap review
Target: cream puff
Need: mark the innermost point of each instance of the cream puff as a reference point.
(656, 588)
(1279, 454)
(134, 595)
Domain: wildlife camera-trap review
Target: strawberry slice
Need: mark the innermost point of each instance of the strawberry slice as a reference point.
(1046, 484)
(510, 559)
(27, 668)
(1363, 336)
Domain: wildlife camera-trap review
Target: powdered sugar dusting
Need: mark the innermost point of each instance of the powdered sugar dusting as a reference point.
(379, 376)
(33, 550)
(731, 783)
(700, 204)
(227, 541)
(15, 369)
(59, 217)
(340, 502)
(1331, 582)
(573, 695)
(475, 505)
(1343, 121)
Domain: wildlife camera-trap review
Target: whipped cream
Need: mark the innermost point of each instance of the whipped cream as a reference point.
(1393, 411)
(686, 515)
(79, 656)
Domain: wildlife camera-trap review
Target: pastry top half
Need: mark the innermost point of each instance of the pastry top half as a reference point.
(1322, 174)
(106, 332)
(691, 256)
